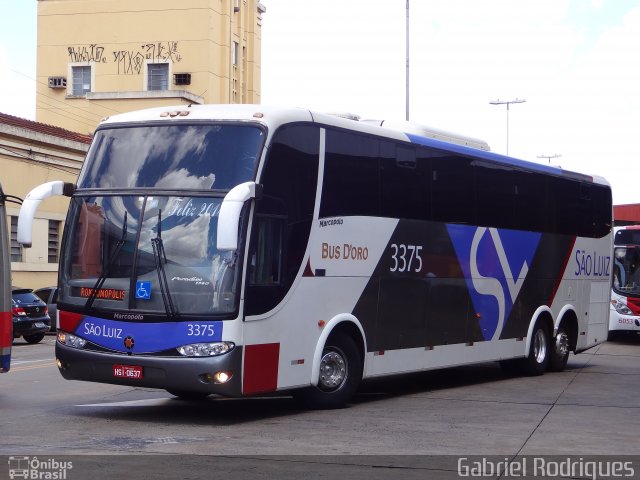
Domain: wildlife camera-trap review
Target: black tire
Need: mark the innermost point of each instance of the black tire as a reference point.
(539, 351)
(559, 351)
(340, 375)
(35, 338)
(187, 395)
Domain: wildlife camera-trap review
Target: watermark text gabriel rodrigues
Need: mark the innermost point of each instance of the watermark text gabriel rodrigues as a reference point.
(545, 468)
(40, 469)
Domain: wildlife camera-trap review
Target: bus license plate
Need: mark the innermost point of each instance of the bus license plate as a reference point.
(127, 371)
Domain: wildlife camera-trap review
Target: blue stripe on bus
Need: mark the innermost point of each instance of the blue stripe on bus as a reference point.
(494, 157)
(147, 337)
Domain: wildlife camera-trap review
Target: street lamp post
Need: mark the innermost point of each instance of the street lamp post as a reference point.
(549, 157)
(407, 67)
(507, 103)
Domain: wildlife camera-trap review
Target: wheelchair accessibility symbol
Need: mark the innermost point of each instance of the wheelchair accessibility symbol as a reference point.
(143, 290)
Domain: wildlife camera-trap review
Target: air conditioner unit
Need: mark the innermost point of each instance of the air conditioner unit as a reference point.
(182, 79)
(57, 82)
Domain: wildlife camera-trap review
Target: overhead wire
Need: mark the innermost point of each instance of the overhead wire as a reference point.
(68, 105)
(27, 157)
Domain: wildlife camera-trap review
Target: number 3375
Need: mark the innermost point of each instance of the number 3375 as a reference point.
(405, 258)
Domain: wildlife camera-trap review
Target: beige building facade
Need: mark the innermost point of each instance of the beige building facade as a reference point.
(32, 153)
(96, 58)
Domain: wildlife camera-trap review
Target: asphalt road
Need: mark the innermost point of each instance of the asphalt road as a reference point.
(415, 426)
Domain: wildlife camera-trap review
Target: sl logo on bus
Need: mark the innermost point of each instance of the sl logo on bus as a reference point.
(495, 264)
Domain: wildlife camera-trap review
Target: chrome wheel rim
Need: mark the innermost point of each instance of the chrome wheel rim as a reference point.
(333, 370)
(562, 344)
(540, 346)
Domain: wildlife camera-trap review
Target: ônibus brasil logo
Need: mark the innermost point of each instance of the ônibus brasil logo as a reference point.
(41, 469)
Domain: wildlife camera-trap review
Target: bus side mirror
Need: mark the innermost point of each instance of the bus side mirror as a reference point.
(229, 216)
(30, 205)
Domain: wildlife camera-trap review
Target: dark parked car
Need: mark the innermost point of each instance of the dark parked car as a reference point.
(49, 295)
(30, 315)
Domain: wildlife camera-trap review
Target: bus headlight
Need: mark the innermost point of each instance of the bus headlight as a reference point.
(71, 340)
(205, 349)
(621, 308)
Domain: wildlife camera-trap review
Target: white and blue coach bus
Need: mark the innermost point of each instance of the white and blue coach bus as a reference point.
(239, 249)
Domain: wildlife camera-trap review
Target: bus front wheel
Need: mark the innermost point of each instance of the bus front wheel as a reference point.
(340, 374)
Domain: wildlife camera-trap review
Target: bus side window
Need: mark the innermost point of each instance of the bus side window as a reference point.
(495, 199)
(453, 190)
(283, 216)
(265, 266)
(405, 182)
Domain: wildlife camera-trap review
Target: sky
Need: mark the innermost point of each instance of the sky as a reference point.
(575, 62)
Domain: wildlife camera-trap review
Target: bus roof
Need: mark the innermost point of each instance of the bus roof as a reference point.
(272, 117)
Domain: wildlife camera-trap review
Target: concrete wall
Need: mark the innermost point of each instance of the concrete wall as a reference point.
(28, 159)
(117, 39)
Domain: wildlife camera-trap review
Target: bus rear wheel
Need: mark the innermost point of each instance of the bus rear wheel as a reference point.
(559, 354)
(339, 377)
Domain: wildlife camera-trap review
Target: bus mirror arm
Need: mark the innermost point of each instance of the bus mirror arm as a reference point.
(30, 205)
(229, 216)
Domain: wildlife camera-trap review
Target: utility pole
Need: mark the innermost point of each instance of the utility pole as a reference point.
(549, 157)
(507, 103)
(407, 66)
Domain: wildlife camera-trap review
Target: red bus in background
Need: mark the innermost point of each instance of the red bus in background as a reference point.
(625, 289)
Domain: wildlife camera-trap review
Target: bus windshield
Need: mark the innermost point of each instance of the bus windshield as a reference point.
(172, 157)
(151, 254)
(626, 270)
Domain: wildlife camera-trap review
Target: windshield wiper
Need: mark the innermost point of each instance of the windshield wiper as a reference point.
(160, 257)
(105, 272)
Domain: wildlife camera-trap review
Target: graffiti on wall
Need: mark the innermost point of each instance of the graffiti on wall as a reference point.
(128, 62)
(87, 53)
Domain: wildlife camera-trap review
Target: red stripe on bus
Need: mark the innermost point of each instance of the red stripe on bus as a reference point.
(6, 330)
(69, 321)
(260, 368)
(634, 305)
(564, 268)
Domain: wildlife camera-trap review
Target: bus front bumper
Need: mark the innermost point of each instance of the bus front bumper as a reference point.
(190, 374)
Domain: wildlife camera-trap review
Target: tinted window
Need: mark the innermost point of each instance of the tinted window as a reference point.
(351, 176)
(453, 193)
(602, 208)
(43, 295)
(627, 237)
(405, 182)
(494, 194)
(283, 216)
(172, 157)
(23, 296)
(532, 211)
